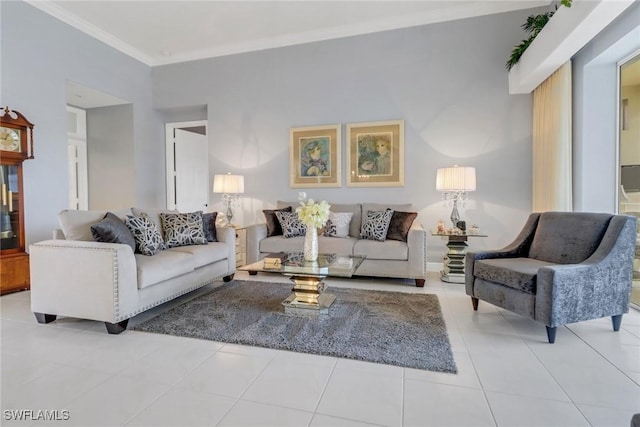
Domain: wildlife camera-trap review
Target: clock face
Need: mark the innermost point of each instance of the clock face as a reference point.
(9, 139)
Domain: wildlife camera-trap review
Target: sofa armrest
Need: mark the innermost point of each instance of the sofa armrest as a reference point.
(88, 280)
(228, 236)
(255, 233)
(600, 286)
(417, 243)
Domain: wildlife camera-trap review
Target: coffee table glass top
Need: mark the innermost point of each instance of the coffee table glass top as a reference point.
(327, 265)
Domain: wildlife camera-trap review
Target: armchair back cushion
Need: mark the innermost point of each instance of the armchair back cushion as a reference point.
(568, 239)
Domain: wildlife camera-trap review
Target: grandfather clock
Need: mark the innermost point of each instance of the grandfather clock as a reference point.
(16, 146)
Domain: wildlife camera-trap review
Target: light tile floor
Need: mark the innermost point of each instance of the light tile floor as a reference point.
(508, 374)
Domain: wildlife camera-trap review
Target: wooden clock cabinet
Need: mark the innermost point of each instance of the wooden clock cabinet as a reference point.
(16, 146)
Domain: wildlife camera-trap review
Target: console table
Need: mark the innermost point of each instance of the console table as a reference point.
(454, 259)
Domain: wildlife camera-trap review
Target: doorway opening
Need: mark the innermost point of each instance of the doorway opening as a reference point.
(629, 152)
(187, 166)
(100, 149)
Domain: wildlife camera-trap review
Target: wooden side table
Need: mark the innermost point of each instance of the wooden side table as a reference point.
(454, 259)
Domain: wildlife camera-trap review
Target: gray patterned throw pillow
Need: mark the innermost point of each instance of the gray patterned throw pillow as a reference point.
(183, 229)
(148, 238)
(375, 225)
(291, 224)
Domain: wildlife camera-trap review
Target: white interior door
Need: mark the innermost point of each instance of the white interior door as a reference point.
(190, 155)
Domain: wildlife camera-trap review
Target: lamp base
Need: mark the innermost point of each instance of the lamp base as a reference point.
(455, 215)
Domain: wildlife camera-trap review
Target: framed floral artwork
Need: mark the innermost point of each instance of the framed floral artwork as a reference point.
(375, 154)
(314, 156)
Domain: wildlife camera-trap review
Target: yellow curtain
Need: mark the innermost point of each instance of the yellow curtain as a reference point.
(552, 183)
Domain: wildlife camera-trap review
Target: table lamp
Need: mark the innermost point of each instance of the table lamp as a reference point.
(231, 186)
(455, 182)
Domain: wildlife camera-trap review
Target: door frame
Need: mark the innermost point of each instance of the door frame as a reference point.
(170, 156)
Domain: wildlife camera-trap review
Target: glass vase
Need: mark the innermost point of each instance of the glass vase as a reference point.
(311, 245)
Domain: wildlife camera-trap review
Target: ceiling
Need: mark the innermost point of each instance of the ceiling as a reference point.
(159, 32)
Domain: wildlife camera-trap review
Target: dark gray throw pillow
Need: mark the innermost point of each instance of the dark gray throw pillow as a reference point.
(273, 225)
(209, 226)
(112, 229)
(400, 225)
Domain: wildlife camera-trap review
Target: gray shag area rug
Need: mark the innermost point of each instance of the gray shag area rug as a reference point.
(394, 328)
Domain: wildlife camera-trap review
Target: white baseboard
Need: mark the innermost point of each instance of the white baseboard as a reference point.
(435, 266)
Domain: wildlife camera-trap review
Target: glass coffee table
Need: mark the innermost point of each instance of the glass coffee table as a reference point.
(309, 296)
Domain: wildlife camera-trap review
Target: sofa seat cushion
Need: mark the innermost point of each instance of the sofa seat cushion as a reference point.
(326, 245)
(516, 273)
(335, 245)
(387, 250)
(164, 265)
(281, 244)
(204, 254)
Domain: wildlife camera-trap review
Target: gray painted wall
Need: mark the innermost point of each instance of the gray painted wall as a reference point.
(595, 108)
(447, 81)
(111, 162)
(39, 54)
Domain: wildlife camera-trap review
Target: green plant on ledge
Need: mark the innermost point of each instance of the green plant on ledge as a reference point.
(533, 26)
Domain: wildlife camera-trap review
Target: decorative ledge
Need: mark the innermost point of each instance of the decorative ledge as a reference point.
(564, 35)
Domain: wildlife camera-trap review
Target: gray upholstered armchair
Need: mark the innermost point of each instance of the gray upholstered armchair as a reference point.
(564, 267)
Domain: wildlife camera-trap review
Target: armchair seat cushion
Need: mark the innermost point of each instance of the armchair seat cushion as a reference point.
(515, 273)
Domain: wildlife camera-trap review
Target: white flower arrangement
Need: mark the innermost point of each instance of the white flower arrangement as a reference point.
(311, 213)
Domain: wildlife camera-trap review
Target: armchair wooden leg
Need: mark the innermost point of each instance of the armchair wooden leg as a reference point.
(419, 283)
(474, 302)
(616, 321)
(228, 278)
(551, 334)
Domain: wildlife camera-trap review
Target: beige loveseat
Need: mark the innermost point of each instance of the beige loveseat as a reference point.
(75, 276)
(390, 258)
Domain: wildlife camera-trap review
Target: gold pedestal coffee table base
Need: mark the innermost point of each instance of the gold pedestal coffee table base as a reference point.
(308, 297)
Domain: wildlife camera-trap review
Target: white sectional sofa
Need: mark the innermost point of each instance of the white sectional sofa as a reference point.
(390, 258)
(75, 276)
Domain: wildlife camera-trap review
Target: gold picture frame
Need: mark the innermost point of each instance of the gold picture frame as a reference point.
(314, 156)
(375, 154)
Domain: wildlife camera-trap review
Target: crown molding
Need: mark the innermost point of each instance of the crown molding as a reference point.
(454, 12)
(56, 11)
